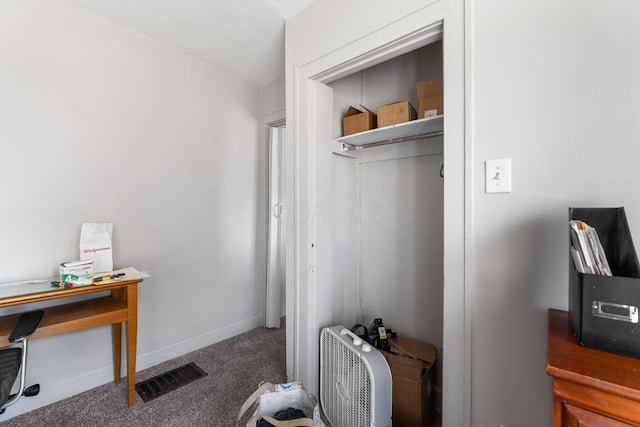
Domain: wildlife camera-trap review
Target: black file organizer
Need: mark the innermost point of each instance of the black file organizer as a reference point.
(605, 310)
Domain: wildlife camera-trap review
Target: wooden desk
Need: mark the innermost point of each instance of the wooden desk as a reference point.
(120, 306)
(590, 387)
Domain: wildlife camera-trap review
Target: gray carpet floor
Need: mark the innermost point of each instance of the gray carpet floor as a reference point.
(235, 367)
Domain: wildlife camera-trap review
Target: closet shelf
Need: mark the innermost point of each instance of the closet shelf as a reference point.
(415, 129)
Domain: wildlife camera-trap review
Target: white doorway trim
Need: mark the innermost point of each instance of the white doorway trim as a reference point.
(275, 237)
(267, 121)
(372, 49)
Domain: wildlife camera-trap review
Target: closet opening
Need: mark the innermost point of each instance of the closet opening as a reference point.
(325, 286)
(382, 192)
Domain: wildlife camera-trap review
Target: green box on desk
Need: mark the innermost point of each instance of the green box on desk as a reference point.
(77, 272)
(604, 310)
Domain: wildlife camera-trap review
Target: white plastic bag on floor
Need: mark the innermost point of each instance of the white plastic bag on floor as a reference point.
(272, 398)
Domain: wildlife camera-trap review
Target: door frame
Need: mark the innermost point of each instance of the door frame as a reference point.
(270, 217)
(374, 48)
(267, 121)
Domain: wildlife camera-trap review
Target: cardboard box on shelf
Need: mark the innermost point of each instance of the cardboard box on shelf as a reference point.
(430, 98)
(398, 112)
(411, 375)
(355, 121)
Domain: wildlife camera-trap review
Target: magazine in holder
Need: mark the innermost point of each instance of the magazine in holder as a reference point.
(604, 310)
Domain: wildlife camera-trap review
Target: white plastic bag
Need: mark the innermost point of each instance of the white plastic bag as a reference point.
(95, 244)
(271, 398)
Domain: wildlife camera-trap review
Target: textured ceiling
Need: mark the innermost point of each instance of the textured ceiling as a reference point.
(243, 37)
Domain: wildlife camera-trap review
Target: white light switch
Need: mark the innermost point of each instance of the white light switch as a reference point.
(498, 176)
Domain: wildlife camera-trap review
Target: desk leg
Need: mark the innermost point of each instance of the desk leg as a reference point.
(132, 336)
(116, 329)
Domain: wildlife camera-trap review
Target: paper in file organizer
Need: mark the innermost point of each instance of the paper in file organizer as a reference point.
(587, 252)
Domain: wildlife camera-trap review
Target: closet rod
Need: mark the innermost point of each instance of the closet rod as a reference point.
(349, 147)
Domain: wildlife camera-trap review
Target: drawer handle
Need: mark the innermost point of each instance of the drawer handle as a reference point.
(609, 310)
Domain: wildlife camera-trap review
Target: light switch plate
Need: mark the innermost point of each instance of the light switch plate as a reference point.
(498, 176)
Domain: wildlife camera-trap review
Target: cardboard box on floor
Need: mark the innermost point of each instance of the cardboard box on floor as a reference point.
(355, 121)
(430, 98)
(412, 403)
(398, 112)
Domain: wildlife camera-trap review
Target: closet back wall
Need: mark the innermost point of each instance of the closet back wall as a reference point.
(401, 245)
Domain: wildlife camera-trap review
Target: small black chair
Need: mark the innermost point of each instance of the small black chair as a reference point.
(14, 357)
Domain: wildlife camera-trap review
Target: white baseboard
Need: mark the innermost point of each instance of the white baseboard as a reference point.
(171, 351)
(54, 392)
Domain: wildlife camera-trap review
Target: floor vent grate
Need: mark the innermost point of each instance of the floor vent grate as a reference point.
(169, 381)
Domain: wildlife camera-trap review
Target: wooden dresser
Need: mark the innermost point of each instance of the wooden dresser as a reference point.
(590, 387)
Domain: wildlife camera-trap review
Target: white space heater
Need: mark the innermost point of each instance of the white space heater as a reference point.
(355, 381)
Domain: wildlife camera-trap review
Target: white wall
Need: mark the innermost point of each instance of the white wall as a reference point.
(400, 245)
(98, 123)
(554, 86)
(272, 97)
